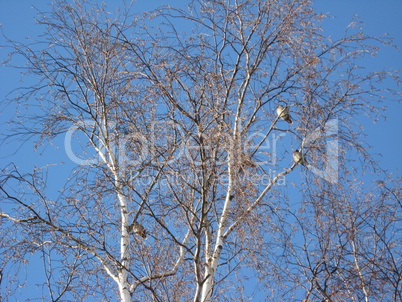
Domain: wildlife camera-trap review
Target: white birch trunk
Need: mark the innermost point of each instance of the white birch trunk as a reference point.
(112, 162)
(212, 262)
(124, 286)
(210, 272)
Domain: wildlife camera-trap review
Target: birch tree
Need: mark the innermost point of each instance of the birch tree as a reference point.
(187, 197)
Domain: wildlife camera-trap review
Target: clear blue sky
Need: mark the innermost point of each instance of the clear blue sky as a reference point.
(380, 17)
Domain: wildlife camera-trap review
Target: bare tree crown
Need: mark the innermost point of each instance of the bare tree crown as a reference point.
(199, 117)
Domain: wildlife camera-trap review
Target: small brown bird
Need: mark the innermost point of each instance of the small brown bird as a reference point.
(299, 158)
(139, 229)
(283, 113)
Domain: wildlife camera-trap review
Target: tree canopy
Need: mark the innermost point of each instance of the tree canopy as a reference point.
(190, 190)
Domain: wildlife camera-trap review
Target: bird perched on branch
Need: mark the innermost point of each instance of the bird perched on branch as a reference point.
(283, 113)
(138, 229)
(299, 158)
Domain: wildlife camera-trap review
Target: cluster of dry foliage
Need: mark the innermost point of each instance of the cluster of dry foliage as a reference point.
(179, 107)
